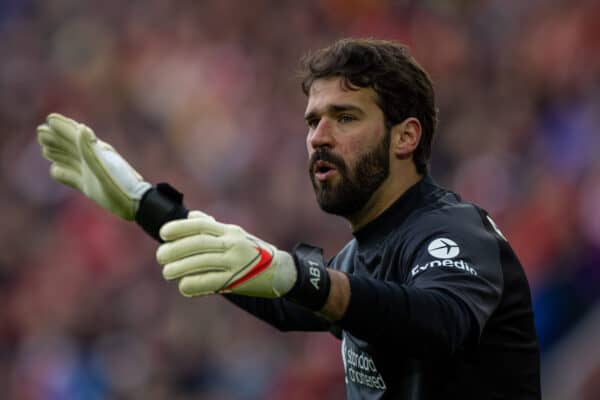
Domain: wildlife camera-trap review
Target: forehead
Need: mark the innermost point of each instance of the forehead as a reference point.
(325, 92)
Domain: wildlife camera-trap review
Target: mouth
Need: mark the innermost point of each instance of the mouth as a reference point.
(323, 170)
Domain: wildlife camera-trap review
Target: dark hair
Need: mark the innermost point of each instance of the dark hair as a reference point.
(403, 87)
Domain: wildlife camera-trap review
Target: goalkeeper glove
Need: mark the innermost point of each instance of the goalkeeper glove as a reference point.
(80, 160)
(210, 257)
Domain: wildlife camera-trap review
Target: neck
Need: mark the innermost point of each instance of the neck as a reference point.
(390, 190)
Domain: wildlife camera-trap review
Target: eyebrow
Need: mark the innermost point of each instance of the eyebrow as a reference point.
(334, 109)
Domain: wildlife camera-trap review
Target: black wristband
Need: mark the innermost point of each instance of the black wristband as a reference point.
(159, 205)
(313, 283)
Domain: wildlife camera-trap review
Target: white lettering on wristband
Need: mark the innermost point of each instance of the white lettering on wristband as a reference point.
(315, 274)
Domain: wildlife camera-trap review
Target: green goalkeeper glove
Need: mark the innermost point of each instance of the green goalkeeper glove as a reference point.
(210, 257)
(80, 160)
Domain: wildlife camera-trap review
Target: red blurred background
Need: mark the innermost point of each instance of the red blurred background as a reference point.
(204, 94)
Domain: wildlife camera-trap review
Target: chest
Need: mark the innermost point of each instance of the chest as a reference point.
(387, 261)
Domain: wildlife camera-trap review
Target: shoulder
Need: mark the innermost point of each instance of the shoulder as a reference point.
(448, 214)
(452, 225)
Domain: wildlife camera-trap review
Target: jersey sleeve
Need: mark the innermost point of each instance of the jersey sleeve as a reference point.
(452, 284)
(460, 257)
(281, 313)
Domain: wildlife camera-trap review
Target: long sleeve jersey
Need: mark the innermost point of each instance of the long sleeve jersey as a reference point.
(439, 308)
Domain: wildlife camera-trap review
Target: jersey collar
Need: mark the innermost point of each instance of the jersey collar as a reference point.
(395, 214)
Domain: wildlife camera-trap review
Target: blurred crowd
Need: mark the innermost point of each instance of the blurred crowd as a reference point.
(205, 95)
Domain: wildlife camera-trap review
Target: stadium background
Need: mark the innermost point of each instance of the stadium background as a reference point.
(203, 94)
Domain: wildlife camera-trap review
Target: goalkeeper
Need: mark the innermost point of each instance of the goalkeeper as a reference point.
(428, 298)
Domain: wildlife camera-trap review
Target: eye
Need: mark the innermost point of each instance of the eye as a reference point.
(312, 123)
(346, 118)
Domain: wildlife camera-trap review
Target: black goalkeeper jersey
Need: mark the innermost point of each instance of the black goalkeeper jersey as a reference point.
(440, 307)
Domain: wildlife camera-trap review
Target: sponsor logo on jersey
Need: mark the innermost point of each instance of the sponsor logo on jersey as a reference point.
(360, 367)
(458, 264)
(445, 250)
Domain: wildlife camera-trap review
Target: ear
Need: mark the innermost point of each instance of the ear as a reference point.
(405, 137)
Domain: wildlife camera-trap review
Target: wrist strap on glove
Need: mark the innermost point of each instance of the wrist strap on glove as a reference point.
(313, 283)
(159, 205)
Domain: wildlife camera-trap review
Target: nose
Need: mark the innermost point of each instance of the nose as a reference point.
(321, 135)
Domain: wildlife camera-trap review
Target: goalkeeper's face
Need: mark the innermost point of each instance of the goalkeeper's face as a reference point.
(348, 146)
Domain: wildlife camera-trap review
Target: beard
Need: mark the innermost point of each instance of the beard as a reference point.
(356, 184)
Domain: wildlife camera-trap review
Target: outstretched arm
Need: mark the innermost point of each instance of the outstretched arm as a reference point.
(290, 291)
(93, 167)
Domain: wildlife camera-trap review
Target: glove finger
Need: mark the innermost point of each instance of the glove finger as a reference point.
(188, 246)
(67, 128)
(65, 175)
(61, 158)
(199, 214)
(199, 263)
(49, 153)
(47, 137)
(201, 285)
(191, 226)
